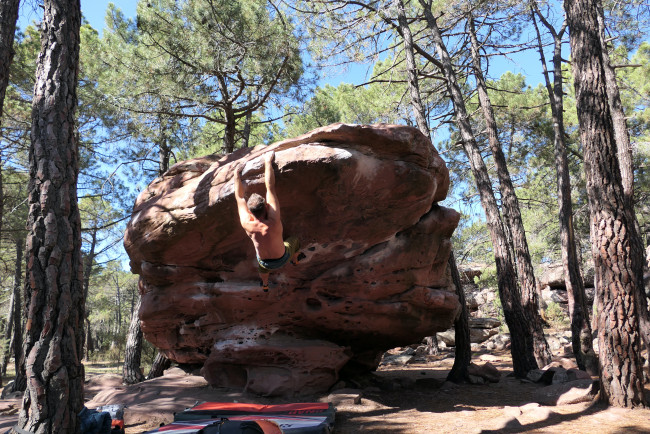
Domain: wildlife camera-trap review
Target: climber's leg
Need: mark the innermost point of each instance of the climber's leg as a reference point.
(265, 281)
(292, 244)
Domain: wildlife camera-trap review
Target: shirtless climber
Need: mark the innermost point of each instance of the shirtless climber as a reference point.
(261, 220)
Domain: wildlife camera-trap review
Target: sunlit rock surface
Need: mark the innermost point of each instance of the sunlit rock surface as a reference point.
(362, 200)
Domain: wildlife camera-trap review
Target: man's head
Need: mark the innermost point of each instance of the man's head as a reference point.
(257, 206)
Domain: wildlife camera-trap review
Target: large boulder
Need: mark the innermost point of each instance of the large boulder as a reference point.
(363, 202)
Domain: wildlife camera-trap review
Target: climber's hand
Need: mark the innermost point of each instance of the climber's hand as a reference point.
(269, 157)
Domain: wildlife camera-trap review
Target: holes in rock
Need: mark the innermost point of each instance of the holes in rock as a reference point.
(313, 303)
(328, 297)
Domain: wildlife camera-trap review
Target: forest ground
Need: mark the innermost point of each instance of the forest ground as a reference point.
(396, 404)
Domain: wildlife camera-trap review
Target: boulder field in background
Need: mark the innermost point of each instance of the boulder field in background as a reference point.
(363, 202)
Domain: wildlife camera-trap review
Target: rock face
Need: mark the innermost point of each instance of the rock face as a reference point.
(363, 202)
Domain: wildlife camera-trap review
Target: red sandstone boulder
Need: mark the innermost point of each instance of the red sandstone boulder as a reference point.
(363, 202)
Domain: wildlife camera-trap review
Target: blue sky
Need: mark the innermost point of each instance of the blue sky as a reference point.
(93, 10)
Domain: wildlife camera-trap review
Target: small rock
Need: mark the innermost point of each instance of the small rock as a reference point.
(484, 323)
(487, 371)
(344, 395)
(8, 394)
(399, 359)
(562, 362)
(511, 411)
(489, 358)
(560, 376)
(448, 337)
(535, 375)
(568, 393)
(505, 424)
(475, 379)
(529, 407)
(576, 374)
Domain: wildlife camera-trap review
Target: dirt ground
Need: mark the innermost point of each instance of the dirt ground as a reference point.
(411, 398)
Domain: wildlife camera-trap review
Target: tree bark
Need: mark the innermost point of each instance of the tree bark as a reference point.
(54, 291)
(622, 137)
(20, 382)
(8, 17)
(88, 269)
(89, 345)
(624, 153)
(522, 348)
(229, 133)
(131, 372)
(463, 348)
(612, 233)
(118, 305)
(160, 364)
(164, 152)
(581, 335)
(248, 121)
(7, 336)
(411, 71)
(510, 208)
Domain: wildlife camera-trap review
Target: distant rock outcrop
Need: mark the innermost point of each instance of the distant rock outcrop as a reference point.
(362, 200)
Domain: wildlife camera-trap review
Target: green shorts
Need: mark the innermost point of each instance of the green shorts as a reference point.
(291, 246)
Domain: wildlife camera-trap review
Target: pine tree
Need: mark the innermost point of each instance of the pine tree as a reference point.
(54, 293)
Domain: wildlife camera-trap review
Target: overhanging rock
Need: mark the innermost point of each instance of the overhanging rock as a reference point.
(363, 202)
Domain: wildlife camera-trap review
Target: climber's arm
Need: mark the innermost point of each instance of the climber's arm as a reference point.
(269, 179)
(240, 190)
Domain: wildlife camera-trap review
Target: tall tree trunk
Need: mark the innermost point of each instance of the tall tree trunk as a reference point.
(131, 372)
(511, 211)
(8, 17)
(164, 153)
(624, 152)
(89, 345)
(7, 336)
(54, 290)
(581, 335)
(88, 269)
(463, 348)
(463, 344)
(159, 365)
(248, 120)
(618, 272)
(522, 349)
(230, 131)
(118, 305)
(411, 71)
(621, 135)
(20, 382)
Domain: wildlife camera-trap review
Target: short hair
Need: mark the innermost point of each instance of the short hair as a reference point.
(257, 205)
